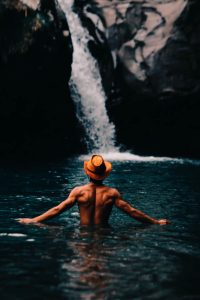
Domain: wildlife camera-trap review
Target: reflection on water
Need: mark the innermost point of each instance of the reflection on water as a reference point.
(89, 266)
(61, 260)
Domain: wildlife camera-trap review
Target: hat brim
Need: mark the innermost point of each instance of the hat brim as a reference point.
(98, 176)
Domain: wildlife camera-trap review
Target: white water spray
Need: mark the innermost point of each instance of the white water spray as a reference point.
(86, 87)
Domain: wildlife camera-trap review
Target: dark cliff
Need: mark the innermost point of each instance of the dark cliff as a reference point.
(36, 113)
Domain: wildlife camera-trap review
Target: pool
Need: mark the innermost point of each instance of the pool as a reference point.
(127, 260)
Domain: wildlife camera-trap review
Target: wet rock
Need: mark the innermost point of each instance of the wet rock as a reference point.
(37, 116)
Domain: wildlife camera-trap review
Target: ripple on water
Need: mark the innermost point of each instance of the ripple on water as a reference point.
(12, 234)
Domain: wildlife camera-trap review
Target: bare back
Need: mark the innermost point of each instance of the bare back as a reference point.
(95, 203)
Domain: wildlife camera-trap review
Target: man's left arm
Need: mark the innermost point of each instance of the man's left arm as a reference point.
(136, 213)
(54, 211)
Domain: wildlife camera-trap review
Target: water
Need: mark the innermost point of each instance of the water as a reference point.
(86, 87)
(61, 260)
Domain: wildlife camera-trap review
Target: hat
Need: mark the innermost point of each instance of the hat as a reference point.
(97, 168)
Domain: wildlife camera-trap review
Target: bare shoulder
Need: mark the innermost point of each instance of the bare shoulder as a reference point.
(76, 191)
(114, 192)
(80, 189)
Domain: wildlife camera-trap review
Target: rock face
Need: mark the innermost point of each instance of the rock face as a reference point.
(36, 113)
(155, 49)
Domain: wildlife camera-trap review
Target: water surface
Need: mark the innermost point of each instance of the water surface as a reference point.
(128, 260)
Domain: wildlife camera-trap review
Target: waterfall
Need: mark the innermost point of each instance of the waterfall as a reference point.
(86, 87)
(89, 96)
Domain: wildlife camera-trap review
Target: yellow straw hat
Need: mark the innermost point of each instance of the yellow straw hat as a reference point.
(97, 168)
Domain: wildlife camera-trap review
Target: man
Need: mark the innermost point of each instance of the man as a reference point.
(95, 200)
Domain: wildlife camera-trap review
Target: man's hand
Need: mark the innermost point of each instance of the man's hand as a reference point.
(163, 222)
(26, 220)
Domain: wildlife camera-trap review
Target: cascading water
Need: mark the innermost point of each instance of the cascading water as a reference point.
(89, 96)
(86, 87)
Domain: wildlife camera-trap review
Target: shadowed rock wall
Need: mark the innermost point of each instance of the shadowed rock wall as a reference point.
(36, 113)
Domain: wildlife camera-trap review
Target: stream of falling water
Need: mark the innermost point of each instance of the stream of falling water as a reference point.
(86, 87)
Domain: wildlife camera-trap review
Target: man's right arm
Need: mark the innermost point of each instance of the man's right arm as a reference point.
(54, 211)
(135, 213)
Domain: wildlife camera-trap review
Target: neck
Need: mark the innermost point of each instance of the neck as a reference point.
(97, 182)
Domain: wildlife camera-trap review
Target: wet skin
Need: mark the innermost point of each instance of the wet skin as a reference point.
(95, 202)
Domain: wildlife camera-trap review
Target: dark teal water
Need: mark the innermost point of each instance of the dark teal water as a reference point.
(128, 260)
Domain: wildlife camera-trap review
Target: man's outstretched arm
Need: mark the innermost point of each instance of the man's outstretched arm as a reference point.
(135, 213)
(54, 211)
